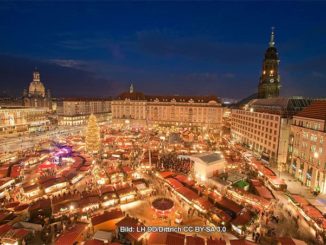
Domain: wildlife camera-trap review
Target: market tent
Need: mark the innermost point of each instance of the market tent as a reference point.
(211, 241)
(174, 183)
(170, 238)
(204, 203)
(187, 193)
(264, 192)
(300, 200)
(184, 179)
(313, 212)
(165, 175)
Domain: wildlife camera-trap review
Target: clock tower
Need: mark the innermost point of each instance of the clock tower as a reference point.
(269, 82)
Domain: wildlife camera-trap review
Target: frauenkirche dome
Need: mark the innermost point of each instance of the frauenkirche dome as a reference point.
(36, 87)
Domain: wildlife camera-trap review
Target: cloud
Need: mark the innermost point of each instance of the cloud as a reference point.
(61, 77)
(97, 44)
(70, 63)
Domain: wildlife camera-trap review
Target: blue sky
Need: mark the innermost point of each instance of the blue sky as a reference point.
(97, 49)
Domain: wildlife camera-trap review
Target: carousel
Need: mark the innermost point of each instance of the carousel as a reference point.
(162, 206)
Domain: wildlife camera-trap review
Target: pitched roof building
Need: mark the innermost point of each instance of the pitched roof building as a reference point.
(307, 154)
(139, 109)
(263, 125)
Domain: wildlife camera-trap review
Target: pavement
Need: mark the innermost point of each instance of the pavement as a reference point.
(11, 143)
(294, 186)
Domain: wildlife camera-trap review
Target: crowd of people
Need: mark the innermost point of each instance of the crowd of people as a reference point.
(174, 163)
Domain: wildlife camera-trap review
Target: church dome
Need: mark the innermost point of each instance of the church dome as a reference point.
(36, 87)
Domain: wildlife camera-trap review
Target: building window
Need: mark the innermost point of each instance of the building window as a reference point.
(313, 148)
(313, 137)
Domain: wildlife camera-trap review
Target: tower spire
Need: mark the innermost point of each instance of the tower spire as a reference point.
(272, 42)
(131, 89)
(269, 82)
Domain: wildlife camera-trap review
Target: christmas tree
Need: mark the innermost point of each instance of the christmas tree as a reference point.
(92, 135)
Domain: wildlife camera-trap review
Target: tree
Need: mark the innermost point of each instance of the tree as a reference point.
(92, 135)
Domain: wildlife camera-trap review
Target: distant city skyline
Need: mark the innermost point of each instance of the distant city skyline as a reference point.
(194, 48)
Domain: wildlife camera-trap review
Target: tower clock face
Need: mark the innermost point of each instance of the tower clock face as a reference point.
(272, 80)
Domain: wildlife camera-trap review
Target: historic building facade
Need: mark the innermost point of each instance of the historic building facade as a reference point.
(269, 82)
(18, 119)
(76, 111)
(307, 151)
(263, 125)
(37, 96)
(138, 109)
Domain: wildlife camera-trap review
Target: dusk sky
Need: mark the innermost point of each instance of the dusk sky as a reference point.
(199, 48)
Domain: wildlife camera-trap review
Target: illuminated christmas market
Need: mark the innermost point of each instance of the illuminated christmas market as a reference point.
(118, 125)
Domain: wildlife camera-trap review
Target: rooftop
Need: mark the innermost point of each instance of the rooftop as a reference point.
(316, 110)
(279, 105)
(170, 238)
(115, 214)
(71, 235)
(76, 99)
(209, 158)
(167, 98)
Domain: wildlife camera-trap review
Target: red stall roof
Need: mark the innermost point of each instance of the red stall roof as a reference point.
(229, 204)
(174, 183)
(4, 228)
(194, 240)
(171, 238)
(256, 182)
(107, 188)
(211, 241)
(299, 199)
(264, 192)
(204, 203)
(184, 179)
(114, 214)
(126, 169)
(94, 242)
(85, 168)
(71, 235)
(47, 164)
(312, 212)
(187, 193)
(15, 171)
(242, 219)
(166, 174)
(21, 233)
(267, 172)
(276, 180)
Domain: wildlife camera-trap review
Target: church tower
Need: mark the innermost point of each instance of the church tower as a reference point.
(269, 83)
(131, 89)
